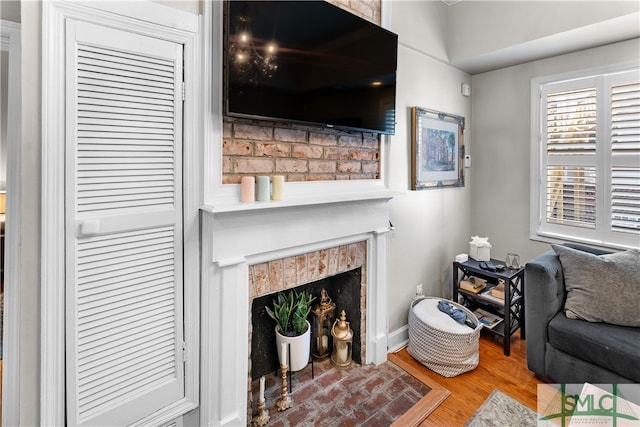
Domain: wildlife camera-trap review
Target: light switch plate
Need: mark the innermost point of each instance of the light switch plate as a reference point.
(466, 89)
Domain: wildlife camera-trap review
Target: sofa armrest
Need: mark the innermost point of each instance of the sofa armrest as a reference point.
(544, 295)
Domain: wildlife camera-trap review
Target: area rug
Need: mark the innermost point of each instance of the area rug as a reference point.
(500, 410)
(359, 395)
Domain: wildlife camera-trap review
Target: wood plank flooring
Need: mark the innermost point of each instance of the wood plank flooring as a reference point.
(469, 390)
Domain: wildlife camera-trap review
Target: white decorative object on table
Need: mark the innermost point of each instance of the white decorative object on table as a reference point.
(480, 248)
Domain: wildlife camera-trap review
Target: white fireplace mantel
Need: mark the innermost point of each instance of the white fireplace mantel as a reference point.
(237, 236)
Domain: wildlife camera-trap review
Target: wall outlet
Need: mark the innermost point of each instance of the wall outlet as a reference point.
(419, 290)
(467, 161)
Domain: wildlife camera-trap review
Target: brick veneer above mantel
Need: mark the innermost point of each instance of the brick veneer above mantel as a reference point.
(299, 153)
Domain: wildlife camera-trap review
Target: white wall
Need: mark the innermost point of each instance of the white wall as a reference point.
(501, 123)
(431, 226)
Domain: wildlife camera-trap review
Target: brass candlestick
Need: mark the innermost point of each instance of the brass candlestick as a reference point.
(285, 401)
(262, 417)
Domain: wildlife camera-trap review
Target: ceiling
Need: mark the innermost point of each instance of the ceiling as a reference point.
(599, 34)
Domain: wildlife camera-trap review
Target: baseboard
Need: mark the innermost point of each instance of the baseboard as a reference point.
(397, 339)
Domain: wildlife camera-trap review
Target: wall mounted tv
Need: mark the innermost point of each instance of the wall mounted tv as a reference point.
(309, 62)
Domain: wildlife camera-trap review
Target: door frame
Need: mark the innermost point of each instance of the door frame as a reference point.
(154, 20)
(11, 42)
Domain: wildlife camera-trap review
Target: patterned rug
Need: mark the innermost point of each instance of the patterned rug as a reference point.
(359, 395)
(500, 410)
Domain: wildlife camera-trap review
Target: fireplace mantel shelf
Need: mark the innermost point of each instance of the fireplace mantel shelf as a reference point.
(225, 206)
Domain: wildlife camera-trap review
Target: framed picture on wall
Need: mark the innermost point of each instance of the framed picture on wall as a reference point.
(437, 149)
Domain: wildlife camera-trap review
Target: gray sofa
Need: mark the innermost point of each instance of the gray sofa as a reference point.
(564, 350)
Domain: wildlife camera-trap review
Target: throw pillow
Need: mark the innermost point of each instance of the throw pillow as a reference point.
(601, 288)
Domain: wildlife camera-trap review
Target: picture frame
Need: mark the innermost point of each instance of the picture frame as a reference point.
(437, 149)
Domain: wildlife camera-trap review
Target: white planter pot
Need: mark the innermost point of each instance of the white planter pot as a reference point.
(299, 347)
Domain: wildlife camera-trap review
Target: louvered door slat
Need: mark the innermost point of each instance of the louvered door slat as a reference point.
(123, 93)
(95, 102)
(123, 114)
(91, 123)
(98, 396)
(100, 124)
(125, 277)
(101, 75)
(122, 319)
(109, 359)
(131, 282)
(124, 57)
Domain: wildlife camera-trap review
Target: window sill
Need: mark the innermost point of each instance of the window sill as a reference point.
(561, 238)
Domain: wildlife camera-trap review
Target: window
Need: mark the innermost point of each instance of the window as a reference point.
(586, 171)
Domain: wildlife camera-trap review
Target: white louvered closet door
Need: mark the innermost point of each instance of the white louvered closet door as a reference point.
(124, 225)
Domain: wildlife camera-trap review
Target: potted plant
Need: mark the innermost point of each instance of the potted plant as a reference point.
(290, 312)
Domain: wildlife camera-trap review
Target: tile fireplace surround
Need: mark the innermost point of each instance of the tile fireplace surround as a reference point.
(240, 241)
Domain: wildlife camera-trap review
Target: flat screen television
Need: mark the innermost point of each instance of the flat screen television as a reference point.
(309, 62)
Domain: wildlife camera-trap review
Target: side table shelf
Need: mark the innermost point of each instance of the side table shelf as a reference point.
(511, 310)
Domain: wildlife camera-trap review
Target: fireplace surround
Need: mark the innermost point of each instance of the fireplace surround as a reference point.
(240, 243)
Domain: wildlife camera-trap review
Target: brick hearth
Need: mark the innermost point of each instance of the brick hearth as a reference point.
(359, 395)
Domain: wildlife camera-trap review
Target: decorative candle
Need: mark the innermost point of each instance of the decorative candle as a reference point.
(283, 354)
(262, 189)
(342, 352)
(325, 342)
(278, 184)
(248, 189)
(261, 388)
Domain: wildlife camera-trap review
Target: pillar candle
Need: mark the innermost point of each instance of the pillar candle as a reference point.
(283, 353)
(248, 189)
(263, 189)
(342, 352)
(261, 398)
(278, 184)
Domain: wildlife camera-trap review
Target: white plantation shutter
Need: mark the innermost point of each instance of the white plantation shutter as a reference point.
(571, 196)
(570, 144)
(590, 159)
(625, 150)
(124, 225)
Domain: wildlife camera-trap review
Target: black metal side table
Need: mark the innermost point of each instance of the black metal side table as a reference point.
(511, 310)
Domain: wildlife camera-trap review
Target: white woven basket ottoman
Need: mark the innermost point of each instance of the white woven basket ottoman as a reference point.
(439, 342)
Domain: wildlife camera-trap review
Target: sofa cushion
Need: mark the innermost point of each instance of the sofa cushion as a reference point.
(601, 288)
(615, 348)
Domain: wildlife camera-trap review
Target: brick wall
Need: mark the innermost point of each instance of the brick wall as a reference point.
(302, 153)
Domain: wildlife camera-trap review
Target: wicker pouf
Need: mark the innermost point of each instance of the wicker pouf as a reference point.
(439, 342)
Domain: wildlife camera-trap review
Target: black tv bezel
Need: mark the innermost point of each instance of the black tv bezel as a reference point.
(322, 125)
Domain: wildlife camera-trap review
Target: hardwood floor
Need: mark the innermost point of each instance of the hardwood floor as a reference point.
(469, 390)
